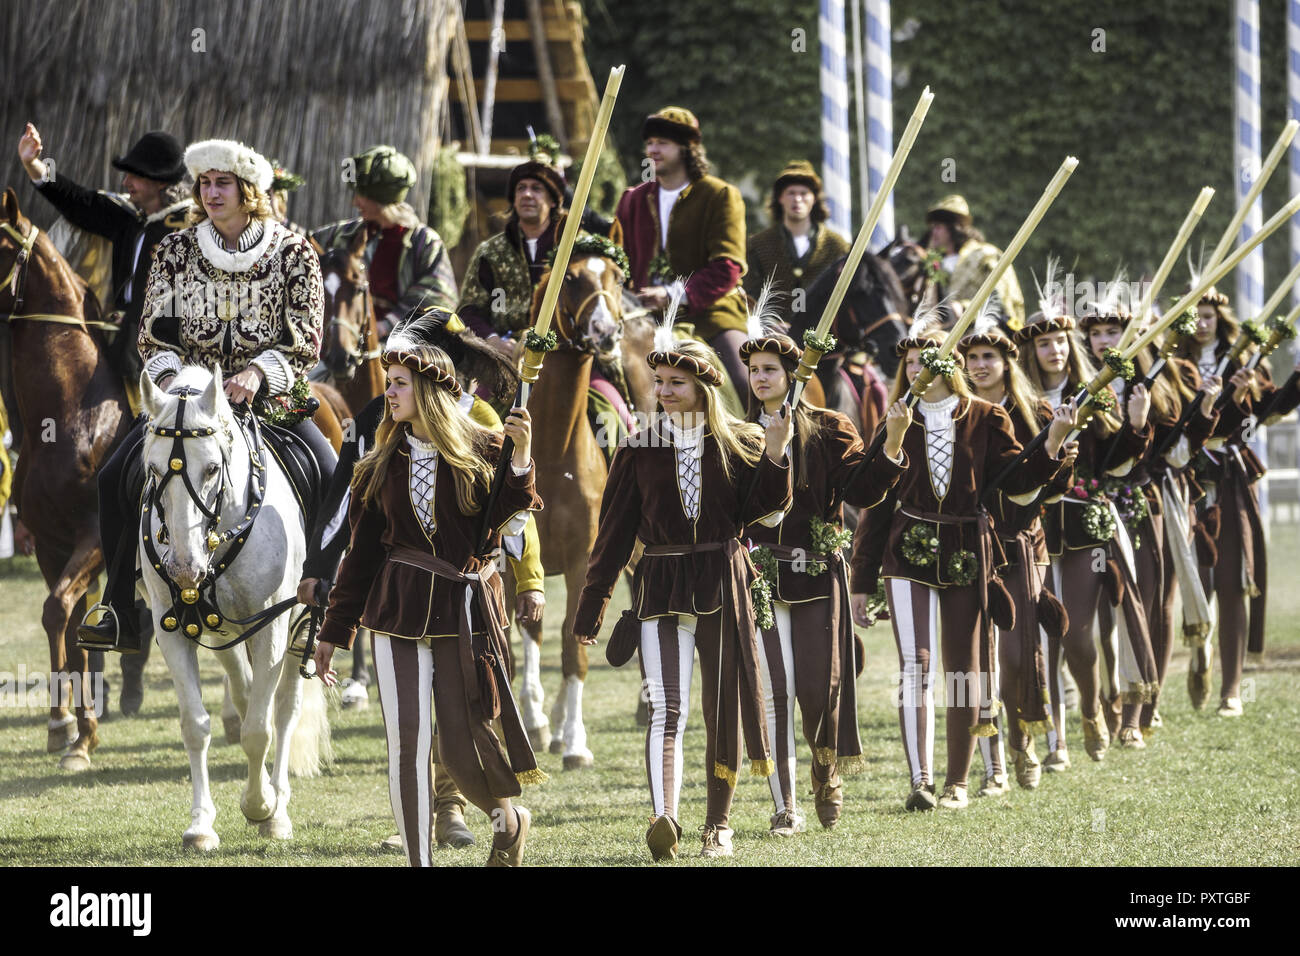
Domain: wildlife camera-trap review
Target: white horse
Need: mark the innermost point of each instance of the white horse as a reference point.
(194, 438)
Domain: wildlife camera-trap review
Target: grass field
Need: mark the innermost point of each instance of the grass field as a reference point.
(1207, 791)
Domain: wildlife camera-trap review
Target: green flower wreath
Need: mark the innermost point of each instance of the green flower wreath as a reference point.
(1104, 400)
(660, 269)
(963, 568)
(1098, 521)
(1115, 360)
(1185, 324)
(285, 410)
(877, 604)
(591, 245)
(541, 343)
(760, 589)
(1280, 327)
(826, 539)
(931, 359)
(920, 545)
(1254, 332)
(824, 345)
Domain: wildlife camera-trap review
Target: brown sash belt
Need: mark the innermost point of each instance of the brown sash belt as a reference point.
(671, 550)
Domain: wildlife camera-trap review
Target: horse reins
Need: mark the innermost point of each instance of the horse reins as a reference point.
(358, 329)
(192, 610)
(16, 281)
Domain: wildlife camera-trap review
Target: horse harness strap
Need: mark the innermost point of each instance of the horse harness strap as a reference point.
(16, 280)
(192, 610)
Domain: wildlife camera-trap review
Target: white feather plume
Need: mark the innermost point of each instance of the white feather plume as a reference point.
(410, 335)
(664, 336)
(1051, 301)
(765, 318)
(1196, 269)
(1109, 302)
(986, 323)
(928, 319)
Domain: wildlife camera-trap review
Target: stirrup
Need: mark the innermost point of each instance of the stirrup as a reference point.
(90, 638)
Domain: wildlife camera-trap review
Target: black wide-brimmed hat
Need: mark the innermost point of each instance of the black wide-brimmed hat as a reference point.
(155, 155)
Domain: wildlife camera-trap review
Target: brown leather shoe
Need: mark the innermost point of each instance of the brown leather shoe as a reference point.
(1029, 772)
(513, 855)
(662, 838)
(449, 829)
(921, 797)
(717, 841)
(1096, 737)
(828, 798)
(1130, 738)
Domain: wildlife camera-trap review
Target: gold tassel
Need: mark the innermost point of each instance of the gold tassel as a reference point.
(534, 776)
(1140, 693)
(761, 768)
(1035, 727)
(985, 728)
(723, 772)
(1194, 635)
(855, 764)
(825, 756)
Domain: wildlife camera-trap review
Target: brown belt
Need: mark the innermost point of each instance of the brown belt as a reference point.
(430, 562)
(671, 550)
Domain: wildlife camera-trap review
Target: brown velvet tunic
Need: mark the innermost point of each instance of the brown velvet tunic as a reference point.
(642, 502)
(984, 445)
(400, 599)
(830, 476)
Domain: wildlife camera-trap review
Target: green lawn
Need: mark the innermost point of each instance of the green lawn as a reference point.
(1205, 792)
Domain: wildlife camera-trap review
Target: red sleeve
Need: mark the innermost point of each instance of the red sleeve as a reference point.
(706, 286)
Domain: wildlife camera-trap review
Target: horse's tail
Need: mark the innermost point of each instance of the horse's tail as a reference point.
(311, 747)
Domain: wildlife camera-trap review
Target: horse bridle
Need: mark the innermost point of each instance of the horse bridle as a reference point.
(360, 357)
(192, 609)
(16, 282)
(614, 306)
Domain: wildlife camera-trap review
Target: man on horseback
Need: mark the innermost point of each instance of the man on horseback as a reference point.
(686, 223)
(407, 261)
(152, 178)
(963, 260)
(514, 259)
(798, 246)
(235, 289)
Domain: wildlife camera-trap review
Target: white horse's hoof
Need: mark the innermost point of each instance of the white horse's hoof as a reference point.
(75, 762)
(556, 745)
(61, 734)
(234, 728)
(276, 828)
(540, 738)
(579, 761)
(354, 695)
(202, 842)
(257, 814)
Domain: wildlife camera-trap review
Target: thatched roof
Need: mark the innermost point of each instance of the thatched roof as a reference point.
(306, 81)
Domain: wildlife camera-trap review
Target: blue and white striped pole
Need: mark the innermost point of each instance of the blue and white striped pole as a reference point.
(1246, 156)
(835, 115)
(880, 112)
(1246, 150)
(1293, 112)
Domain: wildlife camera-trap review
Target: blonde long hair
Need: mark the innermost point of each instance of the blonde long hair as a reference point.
(461, 443)
(1078, 371)
(956, 382)
(743, 440)
(1017, 387)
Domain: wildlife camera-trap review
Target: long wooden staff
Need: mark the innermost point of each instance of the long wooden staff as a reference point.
(936, 359)
(540, 339)
(817, 342)
(1117, 362)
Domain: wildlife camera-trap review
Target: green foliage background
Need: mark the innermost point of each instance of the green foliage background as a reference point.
(1017, 87)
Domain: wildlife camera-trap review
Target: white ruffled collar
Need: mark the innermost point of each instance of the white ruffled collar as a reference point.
(210, 246)
(687, 439)
(948, 405)
(421, 449)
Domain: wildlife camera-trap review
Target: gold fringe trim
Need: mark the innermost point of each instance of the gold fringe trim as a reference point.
(761, 768)
(723, 772)
(825, 756)
(1194, 635)
(852, 765)
(1140, 694)
(985, 728)
(1035, 727)
(534, 776)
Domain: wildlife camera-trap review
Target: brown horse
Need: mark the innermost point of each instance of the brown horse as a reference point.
(350, 348)
(74, 411)
(571, 462)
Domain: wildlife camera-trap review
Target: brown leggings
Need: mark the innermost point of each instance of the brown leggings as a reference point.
(920, 614)
(1225, 578)
(409, 674)
(1077, 582)
(796, 664)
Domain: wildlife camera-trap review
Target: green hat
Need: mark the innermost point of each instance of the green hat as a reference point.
(383, 174)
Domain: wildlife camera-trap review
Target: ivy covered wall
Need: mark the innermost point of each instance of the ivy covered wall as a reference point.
(1017, 86)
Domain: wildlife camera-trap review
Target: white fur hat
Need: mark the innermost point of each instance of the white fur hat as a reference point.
(231, 157)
